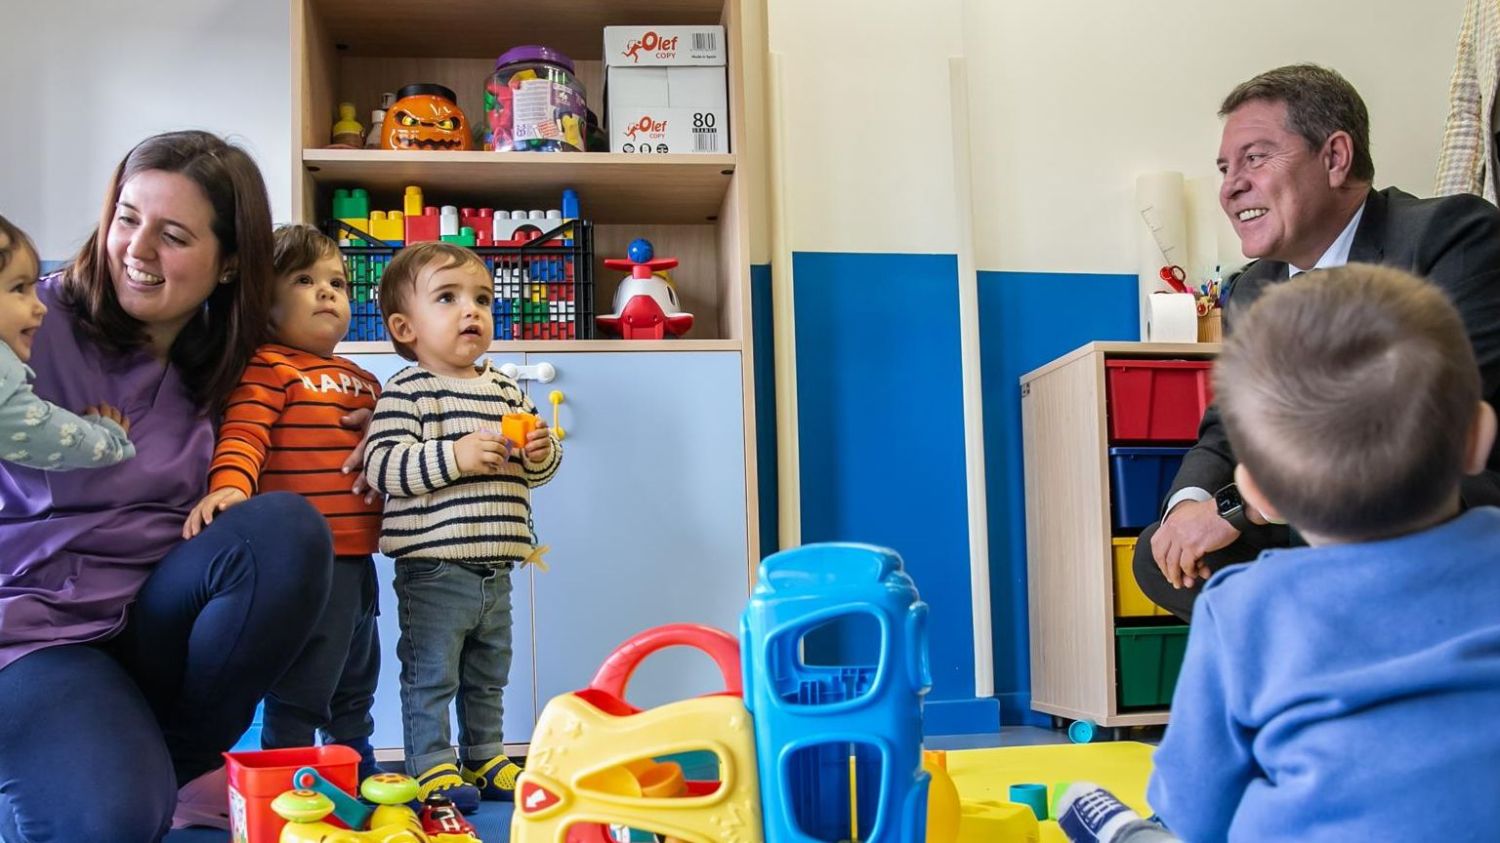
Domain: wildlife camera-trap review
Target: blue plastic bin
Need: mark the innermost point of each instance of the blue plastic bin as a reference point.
(1139, 481)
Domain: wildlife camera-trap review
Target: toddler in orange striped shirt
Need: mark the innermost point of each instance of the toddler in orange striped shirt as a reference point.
(290, 426)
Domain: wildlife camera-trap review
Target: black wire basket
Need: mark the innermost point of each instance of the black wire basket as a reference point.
(544, 286)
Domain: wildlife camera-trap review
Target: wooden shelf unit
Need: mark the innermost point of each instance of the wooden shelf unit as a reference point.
(1070, 572)
(691, 207)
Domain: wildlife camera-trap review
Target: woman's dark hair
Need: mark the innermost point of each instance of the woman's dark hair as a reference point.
(212, 349)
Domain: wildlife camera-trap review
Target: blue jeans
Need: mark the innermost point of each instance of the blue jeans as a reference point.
(330, 688)
(455, 640)
(96, 739)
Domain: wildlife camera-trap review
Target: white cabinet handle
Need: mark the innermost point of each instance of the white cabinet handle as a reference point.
(541, 372)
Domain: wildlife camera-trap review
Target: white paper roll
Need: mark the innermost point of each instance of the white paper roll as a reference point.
(1161, 232)
(1173, 318)
(1204, 214)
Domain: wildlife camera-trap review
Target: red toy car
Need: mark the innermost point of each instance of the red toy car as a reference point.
(444, 824)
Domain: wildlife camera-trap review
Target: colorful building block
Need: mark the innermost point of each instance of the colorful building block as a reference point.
(464, 237)
(424, 226)
(388, 228)
(411, 202)
(351, 204)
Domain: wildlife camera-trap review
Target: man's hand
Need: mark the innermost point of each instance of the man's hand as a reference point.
(1191, 530)
(481, 452)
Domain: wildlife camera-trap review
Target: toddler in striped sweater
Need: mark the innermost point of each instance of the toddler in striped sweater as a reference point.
(291, 425)
(458, 515)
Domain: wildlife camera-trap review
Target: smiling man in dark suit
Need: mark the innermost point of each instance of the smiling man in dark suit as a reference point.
(1298, 189)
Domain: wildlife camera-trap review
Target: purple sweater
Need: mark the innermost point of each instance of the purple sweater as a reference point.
(79, 544)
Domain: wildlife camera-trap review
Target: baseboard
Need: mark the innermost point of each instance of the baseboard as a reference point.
(977, 716)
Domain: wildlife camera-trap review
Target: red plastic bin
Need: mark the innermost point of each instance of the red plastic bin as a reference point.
(256, 778)
(1157, 400)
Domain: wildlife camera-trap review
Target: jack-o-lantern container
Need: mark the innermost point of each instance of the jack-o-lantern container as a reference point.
(425, 116)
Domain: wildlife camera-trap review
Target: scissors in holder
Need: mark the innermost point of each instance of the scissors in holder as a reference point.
(1175, 277)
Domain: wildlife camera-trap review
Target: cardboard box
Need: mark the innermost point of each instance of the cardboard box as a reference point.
(671, 109)
(659, 46)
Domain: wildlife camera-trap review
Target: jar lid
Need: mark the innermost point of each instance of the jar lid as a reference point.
(427, 89)
(533, 52)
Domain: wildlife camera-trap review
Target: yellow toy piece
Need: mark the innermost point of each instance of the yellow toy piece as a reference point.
(572, 130)
(392, 822)
(997, 822)
(537, 557)
(357, 223)
(515, 427)
(388, 226)
(942, 799)
(411, 201)
(589, 766)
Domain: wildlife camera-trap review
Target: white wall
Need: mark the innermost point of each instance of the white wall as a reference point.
(1070, 100)
(866, 117)
(88, 79)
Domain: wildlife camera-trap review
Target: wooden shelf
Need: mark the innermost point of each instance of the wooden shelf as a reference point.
(562, 346)
(612, 187)
(485, 28)
(1158, 350)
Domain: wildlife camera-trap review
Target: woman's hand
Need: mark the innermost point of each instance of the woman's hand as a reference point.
(359, 420)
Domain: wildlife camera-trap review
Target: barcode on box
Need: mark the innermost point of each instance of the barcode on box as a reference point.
(705, 140)
(705, 42)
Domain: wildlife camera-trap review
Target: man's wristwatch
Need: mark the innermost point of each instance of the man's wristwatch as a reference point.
(1232, 507)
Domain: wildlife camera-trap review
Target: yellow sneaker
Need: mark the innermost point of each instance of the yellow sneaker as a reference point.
(495, 779)
(444, 779)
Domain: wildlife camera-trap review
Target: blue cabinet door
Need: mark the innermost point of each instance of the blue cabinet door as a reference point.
(520, 696)
(645, 517)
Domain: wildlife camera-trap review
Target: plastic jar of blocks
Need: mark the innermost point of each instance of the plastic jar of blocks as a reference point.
(533, 102)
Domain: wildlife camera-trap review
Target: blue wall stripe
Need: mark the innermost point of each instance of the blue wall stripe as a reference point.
(880, 428)
(763, 337)
(1026, 320)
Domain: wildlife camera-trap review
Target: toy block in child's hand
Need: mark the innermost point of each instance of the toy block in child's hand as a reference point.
(515, 427)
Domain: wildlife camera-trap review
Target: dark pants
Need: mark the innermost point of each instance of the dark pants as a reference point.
(1179, 601)
(331, 686)
(96, 739)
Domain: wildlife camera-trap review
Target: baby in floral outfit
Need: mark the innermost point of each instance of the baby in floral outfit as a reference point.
(34, 432)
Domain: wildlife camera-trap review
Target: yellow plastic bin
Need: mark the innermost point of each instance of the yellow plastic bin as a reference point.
(1130, 601)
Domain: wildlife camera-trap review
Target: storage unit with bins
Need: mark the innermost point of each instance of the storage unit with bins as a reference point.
(1105, 428)
(653, 516)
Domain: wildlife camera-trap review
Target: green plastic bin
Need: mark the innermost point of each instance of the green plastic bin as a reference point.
(1148, 659)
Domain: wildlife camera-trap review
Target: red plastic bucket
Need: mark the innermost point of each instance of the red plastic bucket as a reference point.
(255, 778)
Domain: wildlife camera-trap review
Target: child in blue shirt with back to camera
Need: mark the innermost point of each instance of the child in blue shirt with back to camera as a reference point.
(1342, 691)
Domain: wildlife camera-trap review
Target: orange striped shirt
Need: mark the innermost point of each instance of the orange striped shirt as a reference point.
(281, 432)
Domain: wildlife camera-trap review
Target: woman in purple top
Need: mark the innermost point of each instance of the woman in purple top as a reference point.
(130, 659)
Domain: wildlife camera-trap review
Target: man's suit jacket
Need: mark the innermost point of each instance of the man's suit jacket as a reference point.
(1466, 163)
(1453, 241)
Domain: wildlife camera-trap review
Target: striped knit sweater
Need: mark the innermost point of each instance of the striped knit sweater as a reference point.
(432, 512)
(281, 433)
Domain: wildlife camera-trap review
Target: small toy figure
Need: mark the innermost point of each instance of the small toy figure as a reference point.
(646, 305)
(347, 131)
(425, 116)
